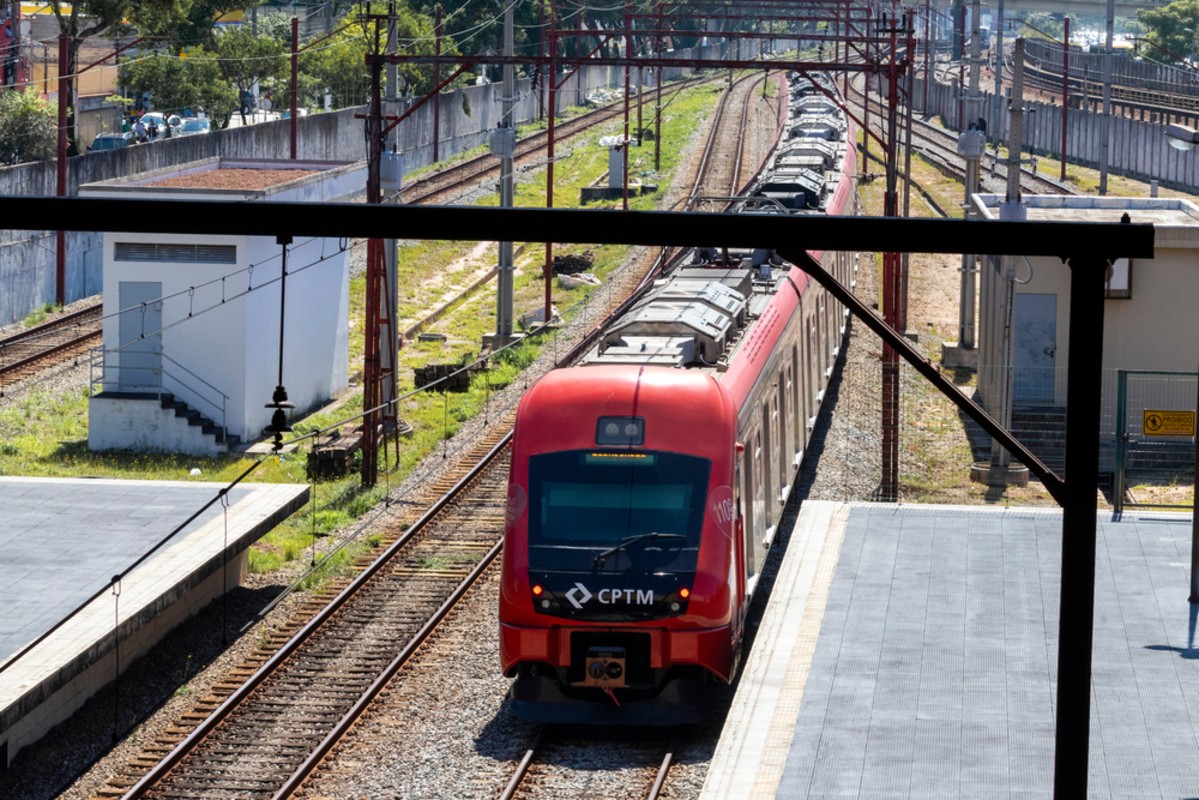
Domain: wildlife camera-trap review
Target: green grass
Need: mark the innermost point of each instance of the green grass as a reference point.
(40, 314)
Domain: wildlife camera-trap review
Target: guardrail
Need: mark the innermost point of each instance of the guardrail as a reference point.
(108, 375)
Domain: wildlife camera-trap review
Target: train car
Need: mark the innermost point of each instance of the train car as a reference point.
(648, 481)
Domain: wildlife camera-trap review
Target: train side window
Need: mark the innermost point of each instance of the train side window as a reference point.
(766, 462)
(776, 428)
(814, 348)
(796, 391)
(752, 519)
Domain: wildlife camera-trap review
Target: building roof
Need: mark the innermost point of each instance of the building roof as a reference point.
(240, 178)
(1176, 219)
(230, 178)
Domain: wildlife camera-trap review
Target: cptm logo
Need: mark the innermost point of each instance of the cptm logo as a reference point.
(580, 595)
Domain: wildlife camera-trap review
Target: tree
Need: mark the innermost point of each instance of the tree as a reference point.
(28, 128)
(191, 22)
(176, 83)
(339, 62)
(338, 65)
(1173, 30)
(477, 26)
(83, 19)
(246, 59)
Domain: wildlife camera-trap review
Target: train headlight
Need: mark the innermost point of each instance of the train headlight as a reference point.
(675, 606)
(628, 431)
(537, 590)
(684, 593)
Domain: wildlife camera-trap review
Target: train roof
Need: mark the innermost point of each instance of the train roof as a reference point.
(722, 314)
(549, 412)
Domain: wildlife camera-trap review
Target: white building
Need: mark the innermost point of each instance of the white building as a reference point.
(192, 322)
(1150, 323)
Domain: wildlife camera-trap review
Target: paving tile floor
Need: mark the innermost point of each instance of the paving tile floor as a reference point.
(933, 674)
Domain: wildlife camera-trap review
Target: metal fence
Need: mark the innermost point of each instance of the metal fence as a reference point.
(1155, 438)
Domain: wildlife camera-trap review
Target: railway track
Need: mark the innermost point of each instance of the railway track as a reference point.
(939, 147)
(264, 730)
(26, 353)
(561, 765)
(1129, 100)
(263, 737)
(723, 159)
(464, 175)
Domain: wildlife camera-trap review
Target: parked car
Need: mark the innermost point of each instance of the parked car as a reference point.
(111, 141)
(157, 121)
(192, 126)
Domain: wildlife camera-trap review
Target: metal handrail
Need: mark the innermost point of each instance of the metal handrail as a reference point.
(157, 383)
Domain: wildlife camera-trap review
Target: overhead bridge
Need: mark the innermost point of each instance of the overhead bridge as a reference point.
(1124, 8)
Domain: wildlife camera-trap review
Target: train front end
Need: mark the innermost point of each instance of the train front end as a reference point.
(620, 601)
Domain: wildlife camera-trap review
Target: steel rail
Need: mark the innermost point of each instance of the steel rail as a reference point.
(710, 144)
(338, 732)
(739, 154)
(46, 353)
(49, 327)
(160, 770)
(656, 790)
(522, 768)
(528, 146)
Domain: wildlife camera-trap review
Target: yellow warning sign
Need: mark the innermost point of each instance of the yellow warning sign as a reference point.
(1168, 423)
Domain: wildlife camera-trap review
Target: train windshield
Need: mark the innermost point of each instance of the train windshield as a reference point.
(615, 512)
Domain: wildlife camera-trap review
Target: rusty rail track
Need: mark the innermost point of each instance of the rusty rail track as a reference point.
(554, 779)
(265, 737)
(458, 177)
(939, 147)
(32, 350)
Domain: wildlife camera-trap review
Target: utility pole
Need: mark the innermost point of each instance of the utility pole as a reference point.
(295, 60)
(997, 104)
(379, 337)
(893, 304)
(1106, 128)
(388, 332)
(503, 144)
(971, 144)
(1011, 210)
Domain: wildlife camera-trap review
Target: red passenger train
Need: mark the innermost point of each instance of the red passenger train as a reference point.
(648, 481)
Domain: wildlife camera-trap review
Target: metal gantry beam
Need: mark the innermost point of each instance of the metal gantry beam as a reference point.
(674, 228)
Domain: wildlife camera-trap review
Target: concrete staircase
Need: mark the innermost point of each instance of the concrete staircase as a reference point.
(1042, 429)
(195, 419)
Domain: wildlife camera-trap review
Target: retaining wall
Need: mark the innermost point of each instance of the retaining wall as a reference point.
(1137, 148)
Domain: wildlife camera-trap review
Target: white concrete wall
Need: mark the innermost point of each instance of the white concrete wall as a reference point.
(221, 322)
(115, 423)
(316, 329)
(1136, 148)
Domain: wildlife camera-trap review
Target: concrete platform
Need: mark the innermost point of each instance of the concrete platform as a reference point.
(63, 542)
(911, 652)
